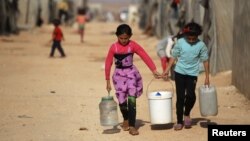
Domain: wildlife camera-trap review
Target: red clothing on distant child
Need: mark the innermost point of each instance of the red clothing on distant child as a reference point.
(131, 47)
(57, 34)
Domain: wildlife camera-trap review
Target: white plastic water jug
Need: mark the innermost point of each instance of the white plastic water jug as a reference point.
(208, 100)
(108, 111)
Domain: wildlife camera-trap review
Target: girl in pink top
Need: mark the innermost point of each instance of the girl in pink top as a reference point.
(81, 19)
(126, 78)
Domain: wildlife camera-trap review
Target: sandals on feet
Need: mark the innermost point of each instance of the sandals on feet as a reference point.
(178, 127)
(133, 131)
(125, 125)
(187, 122)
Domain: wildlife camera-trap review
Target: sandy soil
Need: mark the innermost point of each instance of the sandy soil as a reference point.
(56, 99)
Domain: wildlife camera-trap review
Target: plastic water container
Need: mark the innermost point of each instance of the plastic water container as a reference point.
(160, 107)
(108, 111)
(208, 101)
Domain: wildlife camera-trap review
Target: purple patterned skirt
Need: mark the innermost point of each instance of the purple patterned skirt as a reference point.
(127, 82)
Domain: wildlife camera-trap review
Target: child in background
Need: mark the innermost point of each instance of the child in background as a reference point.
(161, 51)
(126, 78)
(81, 19)
(187, 52)
(57, 37)
(63, 13)
(164, 48)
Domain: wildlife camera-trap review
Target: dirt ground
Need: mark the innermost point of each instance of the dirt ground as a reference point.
(57, 99)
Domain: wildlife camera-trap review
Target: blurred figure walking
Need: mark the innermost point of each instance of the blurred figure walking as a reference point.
(81, 20)
(57, 36)
(63, 11)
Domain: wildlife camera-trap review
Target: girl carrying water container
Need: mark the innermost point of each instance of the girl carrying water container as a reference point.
(127, 80)
(188, 51)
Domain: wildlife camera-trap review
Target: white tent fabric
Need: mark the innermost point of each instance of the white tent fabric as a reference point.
(241, 50)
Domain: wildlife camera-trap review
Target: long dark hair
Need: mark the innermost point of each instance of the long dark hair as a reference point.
(192, 29)
(123, 29)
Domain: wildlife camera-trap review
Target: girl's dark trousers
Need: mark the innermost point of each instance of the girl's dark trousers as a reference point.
(128, 110)
(185, 91)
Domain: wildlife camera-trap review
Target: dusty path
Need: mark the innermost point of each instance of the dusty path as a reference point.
(44, 99)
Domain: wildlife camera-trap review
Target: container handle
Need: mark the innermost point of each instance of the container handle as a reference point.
(163, 89)
(206, 86)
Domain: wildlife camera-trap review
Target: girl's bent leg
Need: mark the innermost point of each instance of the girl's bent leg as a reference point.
(124, 111)
(190, 94)
(132, 110)
(180, 95)
(190, 99)
(132, 115)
